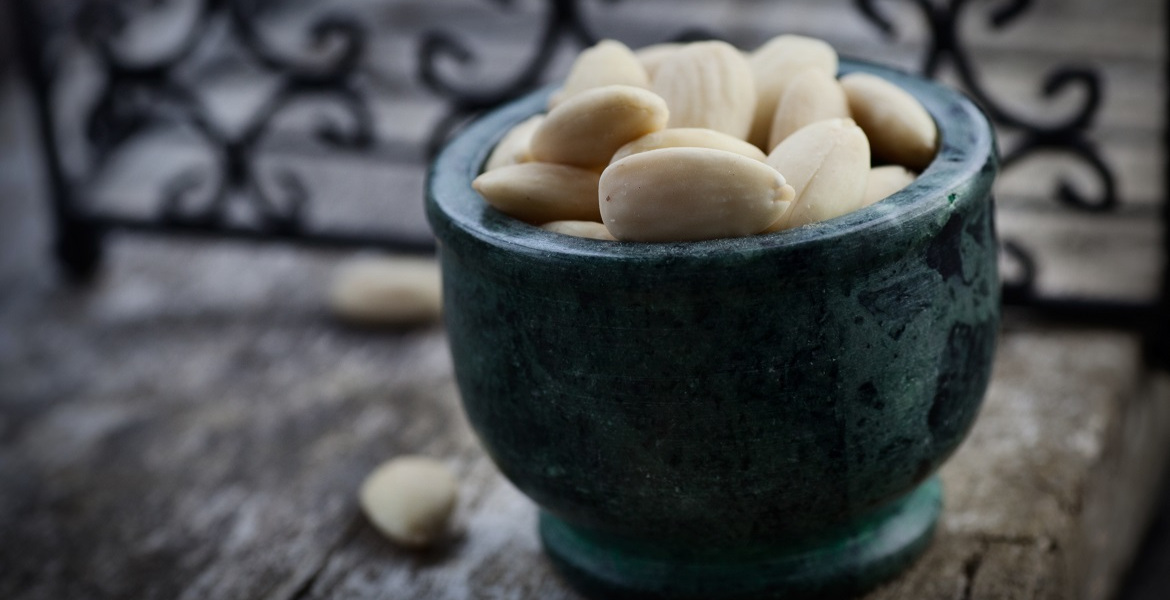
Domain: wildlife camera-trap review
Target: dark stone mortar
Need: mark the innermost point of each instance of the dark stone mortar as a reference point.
(750, 417)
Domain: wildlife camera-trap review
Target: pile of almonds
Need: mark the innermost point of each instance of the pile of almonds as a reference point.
(682, 142)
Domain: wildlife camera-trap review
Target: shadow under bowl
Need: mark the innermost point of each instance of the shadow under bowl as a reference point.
(733, 418)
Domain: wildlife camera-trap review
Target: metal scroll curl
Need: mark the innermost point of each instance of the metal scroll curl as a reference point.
(138, 94)
(563, 23)
(1067, 136)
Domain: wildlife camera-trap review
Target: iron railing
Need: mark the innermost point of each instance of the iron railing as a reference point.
(137, 95)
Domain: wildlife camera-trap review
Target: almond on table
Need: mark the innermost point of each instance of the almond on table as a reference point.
(410, 499)
(387, 291)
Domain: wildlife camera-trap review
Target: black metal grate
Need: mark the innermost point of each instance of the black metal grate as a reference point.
(137, 95)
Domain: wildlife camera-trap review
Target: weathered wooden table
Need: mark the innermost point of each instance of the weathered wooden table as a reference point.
(201, 434)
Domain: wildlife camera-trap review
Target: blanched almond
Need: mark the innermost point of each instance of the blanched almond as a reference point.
(689, 137)
(410, 499)
(774, 65)
(606, 63)
(885, 180)
(899, 128)
(586, 129)
(652, 56)
(387, 291)
(584, 229)
(827, 163)
(812, 96)
(514, 147)
(541, 192)
(710, 85)
(686, 194)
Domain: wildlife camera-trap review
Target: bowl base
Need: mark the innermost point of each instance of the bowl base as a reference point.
(859, 559)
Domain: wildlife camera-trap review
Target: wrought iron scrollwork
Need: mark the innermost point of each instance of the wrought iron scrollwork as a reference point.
(563, 23)
(138, 94)
(141, 93)
(1068, 136)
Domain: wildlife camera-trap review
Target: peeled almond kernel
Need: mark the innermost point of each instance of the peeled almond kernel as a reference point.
(774, 65)
(514, 147)
(710, 85)
(652, 56)
(410, 499)
(387, 291)
(827, 163)
(583, 229)
(537, 193)
(812, 96)
(606, 63)
(885, 180)
(899, 128)
(587, 128)
(689, 137)
(687, 194)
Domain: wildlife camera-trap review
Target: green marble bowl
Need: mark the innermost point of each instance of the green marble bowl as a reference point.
(736, 418)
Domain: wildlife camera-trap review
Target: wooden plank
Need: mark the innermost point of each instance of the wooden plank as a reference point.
(1052, 469)
(1087, 256)
(235, 476)
(1111, 255)
(1126, 126)
(1130, 30)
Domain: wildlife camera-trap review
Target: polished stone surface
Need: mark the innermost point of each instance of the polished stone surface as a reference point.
(723, 407)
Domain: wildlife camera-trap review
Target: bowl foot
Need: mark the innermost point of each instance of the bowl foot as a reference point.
(859, 559)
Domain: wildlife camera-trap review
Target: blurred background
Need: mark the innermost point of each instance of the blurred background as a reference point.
(179, 180)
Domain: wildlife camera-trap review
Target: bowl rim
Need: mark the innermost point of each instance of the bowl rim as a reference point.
(960, 174)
